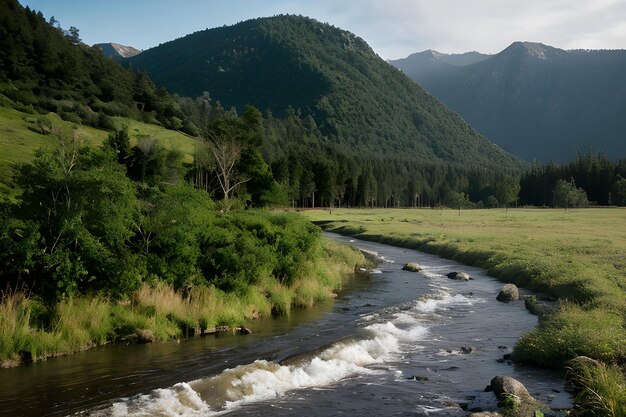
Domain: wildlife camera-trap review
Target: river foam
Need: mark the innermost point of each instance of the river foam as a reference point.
(262, 380)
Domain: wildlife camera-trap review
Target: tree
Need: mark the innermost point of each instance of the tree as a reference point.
(77, 212)
(566, 195)
(618, 192)
(119, 141)
(204, 163)
(73, 35)
(227, 150)
(506, 190)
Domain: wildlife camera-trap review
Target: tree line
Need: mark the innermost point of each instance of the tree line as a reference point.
(589, 179)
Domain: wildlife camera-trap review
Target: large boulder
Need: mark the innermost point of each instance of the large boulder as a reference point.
(508, 293)
(505, 385)
(412, 266)
(461, 276)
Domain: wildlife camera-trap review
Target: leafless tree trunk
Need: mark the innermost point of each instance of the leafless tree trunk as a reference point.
(227, 150)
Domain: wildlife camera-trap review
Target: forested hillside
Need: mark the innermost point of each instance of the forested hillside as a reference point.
(536, 101)
(353, 96)
(44, 68)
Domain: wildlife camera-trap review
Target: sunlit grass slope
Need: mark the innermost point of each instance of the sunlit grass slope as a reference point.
(20, 136)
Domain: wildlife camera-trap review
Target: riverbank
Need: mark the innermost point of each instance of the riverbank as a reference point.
(32, 331)
(576, 256)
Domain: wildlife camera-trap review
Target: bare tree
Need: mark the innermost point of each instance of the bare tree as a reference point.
(227, 151)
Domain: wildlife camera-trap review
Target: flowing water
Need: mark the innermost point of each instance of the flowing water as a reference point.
(394, 343)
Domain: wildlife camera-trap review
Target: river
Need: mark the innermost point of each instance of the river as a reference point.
(394, 343)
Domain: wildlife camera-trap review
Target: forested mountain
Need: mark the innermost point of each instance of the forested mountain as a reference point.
(117, 51)
(537, 101)
(354, 97)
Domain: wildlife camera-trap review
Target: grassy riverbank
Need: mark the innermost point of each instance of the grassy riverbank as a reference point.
(30, 330)
(577, 256)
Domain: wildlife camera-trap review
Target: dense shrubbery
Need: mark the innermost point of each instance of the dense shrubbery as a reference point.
(82, 226)
(84, 240)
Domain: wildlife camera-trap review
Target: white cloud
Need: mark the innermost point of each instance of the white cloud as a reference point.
(396, 28)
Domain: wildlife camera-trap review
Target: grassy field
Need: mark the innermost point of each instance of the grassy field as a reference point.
(577, 256)
(20, 137)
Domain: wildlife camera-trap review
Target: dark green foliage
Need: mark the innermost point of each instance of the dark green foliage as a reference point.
(596, 175)
(81, 226)
(170, 231)
(69, 231)
(618, 192)
(242, 248)
(344, 90)
(566, 195)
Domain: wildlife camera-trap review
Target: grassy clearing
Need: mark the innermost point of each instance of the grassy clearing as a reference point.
(31, 331)
(171, 139)
(20, 137)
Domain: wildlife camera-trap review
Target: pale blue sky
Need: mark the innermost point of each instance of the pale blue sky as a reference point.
(394, 28)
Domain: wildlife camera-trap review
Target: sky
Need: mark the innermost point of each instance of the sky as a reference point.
(393, 28)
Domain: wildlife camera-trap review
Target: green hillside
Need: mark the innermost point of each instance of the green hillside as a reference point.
(356, 99)
(21, 135)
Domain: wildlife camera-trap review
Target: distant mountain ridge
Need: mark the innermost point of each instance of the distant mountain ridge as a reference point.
(117, 51)
(357, 99)
(430, 60)
(536, 101)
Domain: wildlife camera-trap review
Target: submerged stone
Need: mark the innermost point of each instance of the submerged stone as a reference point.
(412, 267)
(460, 276)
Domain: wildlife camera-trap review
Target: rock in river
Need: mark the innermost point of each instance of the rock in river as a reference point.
(461, 276)
(505, 385)
(508, 293)
(412, 266)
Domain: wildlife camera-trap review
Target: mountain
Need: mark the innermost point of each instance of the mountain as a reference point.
(539, 102)
(422, 62)
(117, 51)
(357, 99)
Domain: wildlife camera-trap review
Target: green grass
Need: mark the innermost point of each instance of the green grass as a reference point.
(603, 391)
(20, 137)
(171, 139)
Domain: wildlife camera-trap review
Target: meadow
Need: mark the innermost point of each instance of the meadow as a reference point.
(577, 256)
(21, 136)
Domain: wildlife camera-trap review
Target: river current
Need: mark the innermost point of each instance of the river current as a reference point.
(394, 343)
